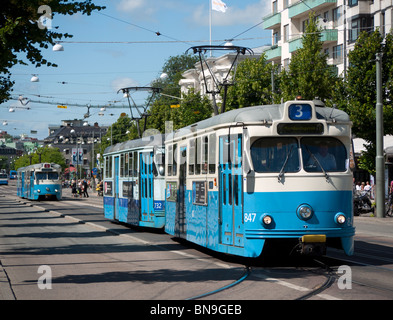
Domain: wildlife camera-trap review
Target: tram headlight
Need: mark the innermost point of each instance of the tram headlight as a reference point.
(340, 218)
(38, 190)
(267, 220)
(304, 212)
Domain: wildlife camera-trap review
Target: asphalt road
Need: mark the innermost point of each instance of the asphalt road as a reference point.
(66, 250)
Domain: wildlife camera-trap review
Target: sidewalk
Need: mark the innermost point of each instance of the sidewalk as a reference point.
(93, 198)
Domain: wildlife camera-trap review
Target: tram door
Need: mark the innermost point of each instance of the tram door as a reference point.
(30, 191)
(147, 187)
(116, 190)
(231, 190)
(180, 221)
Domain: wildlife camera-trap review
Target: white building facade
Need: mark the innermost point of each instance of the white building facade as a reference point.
(199, 79)
(341, 20)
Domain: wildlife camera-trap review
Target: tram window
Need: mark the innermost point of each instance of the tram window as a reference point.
(126, 161)
(205, 152)
(329, 153)
(41, 175)
(235, 189)
(108, 167)
(169, 160)
(53, 176)
(212, 153)
(224, 193)
(122, 165)
(230, 189)
(191, 160)
(198, 156)
(271, 154)
(130, 164)
(135, 166)
(174, 171)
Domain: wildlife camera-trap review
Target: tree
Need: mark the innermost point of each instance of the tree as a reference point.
(253, 85)
(160, 110)
(41, 155)
(309, 75)
(22, 29)
(358, 97)
(193, 108)
(117, 132)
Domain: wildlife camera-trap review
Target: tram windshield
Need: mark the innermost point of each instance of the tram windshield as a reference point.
(47, 175)
(272, 154)
(323, 155)
(281, 154)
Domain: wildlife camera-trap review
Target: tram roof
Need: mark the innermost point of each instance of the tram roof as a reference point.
(39, 166)
(263, 113)
(154, 140)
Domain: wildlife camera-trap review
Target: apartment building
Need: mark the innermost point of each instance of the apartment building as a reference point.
(341, 22)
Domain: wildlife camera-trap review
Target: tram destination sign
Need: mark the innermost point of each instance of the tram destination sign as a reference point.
(299, 128)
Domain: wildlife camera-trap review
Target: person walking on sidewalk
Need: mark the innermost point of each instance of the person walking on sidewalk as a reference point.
(84, 187)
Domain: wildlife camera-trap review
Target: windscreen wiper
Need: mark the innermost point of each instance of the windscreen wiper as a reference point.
(284, 165)
(319, 164)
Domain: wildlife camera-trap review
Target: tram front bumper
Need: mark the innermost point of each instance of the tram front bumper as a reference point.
(313, 244)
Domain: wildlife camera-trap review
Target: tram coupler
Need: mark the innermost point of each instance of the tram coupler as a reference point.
(313, 244)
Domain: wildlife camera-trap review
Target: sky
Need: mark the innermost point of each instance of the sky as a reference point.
(96, 62)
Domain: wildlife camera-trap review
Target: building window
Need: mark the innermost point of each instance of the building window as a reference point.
(354, 31)
(352, 3)
(337, 54)
(336, 16)
(276, 38)
(274, 7)
(286, 33)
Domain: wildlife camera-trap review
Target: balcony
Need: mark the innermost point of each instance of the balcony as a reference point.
(304, 6)
(271, 21)
(273, 52)
(328, 35)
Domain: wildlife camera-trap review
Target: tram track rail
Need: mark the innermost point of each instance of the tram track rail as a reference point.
(327, 269)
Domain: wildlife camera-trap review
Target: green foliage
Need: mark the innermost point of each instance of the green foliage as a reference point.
(358, 97)
(253, 84)
(117, 132)
(193, 108)
(41, 155)
(19, 32)
(308, 74)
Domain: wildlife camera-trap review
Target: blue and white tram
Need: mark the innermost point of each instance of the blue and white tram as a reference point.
(134, 182)
(39, 181)
(261, 176)
(3, 178)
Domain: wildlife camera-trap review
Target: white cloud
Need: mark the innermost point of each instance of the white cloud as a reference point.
(140, 9)
(123, 82)
(130, 5)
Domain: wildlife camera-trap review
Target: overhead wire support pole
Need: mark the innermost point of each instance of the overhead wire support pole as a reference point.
(145, 114)
(216, 88)
(379, 159)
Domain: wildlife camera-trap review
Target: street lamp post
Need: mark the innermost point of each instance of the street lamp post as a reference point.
(379, 159)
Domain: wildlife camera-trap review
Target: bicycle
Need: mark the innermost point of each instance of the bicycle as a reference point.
(389, 206)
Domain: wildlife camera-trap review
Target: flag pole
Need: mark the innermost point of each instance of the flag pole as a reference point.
(210, 23)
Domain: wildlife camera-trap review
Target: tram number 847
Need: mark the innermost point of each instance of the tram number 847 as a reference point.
(249, 217)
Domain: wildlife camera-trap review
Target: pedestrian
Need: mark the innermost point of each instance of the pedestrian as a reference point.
(80, 188)
(73, 186)
(85, 186)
